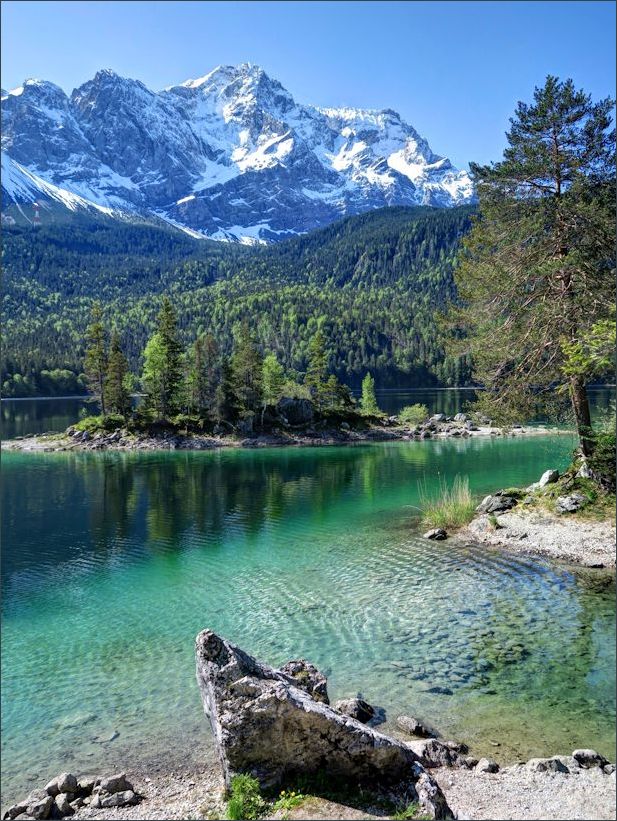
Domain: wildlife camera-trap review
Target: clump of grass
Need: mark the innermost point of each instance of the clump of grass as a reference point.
(409, 812)
(452, 507)
(245, 802)
(287, 800)
(494, 521)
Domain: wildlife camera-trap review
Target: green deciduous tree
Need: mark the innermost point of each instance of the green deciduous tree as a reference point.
(538, 269)
(273, 381)
(368, 400)
(118, 379)
(95, 362)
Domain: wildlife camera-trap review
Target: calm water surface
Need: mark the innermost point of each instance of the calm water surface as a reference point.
(20, 417)
(113, 562)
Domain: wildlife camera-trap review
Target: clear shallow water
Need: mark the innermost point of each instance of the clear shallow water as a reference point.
(113, 562)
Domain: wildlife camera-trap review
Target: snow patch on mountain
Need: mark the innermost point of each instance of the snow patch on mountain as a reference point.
(21, 186)
(230, 155)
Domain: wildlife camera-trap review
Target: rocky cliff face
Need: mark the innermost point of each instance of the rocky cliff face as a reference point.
(230, 155)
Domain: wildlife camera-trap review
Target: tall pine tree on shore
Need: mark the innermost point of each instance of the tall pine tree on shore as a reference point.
(95, 362)
(317, 369)
(224, 400)
(537, 273)
(117, 381)
(246, 368)
(204, 374)
(162, 377)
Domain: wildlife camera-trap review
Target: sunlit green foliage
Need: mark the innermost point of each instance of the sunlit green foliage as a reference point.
(413, 414)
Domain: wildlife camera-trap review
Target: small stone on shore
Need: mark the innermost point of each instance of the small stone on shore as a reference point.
(437, 534)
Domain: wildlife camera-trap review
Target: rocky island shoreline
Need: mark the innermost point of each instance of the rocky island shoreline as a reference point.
(438, 426)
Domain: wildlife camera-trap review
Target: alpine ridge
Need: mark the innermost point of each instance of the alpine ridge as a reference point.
(230, 156)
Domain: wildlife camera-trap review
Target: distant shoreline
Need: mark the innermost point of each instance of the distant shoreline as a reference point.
(356, 390)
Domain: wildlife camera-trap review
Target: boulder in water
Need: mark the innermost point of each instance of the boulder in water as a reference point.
(356, 708)
(267, 726)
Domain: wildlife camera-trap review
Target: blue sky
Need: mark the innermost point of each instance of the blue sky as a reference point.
(455, 70)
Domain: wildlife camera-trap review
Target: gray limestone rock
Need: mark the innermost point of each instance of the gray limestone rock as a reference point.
(124, 798)
(63, 805)
(430, 797)
(66, 782)
(547, 478)
(435, 753)
(414, 726)
(268, 727)
(115, 783)
(496, 504)
(39, 804)
(357, 708)
(307, 677)
(570, 504)
(486, 765)
(437, 534)
(589, 758)
(553, 765)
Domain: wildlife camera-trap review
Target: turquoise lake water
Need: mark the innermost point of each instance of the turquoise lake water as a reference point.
(112, 562)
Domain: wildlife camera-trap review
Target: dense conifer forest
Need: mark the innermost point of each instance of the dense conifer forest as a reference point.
(370, 283)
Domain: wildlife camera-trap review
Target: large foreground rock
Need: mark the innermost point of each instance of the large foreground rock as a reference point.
(267, 726)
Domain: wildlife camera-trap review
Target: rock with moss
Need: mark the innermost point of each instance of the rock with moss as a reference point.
(309, 678)
(268, 727)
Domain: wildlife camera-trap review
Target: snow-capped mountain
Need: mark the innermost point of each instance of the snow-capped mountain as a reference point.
(230, 155)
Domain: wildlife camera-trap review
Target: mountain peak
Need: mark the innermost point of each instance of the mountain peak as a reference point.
(230, 154)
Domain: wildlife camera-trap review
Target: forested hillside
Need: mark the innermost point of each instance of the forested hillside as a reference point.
(372, 282)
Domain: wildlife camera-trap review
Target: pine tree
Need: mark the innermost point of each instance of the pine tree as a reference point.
(162, 377)
(223, 407)
(368, 401)
(317, 369)
(95, 363)
(537, 272)
(273, 380)
(117, 382)
(246, 367)
(204, 372)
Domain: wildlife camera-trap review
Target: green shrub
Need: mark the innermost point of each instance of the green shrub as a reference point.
(245, 802)
(413, 414)
(100, 424)
(602, 460)
(452, 507)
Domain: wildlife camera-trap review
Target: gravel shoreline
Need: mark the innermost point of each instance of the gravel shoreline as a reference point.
(580, 541)
(516, 792)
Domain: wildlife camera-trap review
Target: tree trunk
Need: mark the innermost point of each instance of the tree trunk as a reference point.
(102, 392)
(582, 416)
